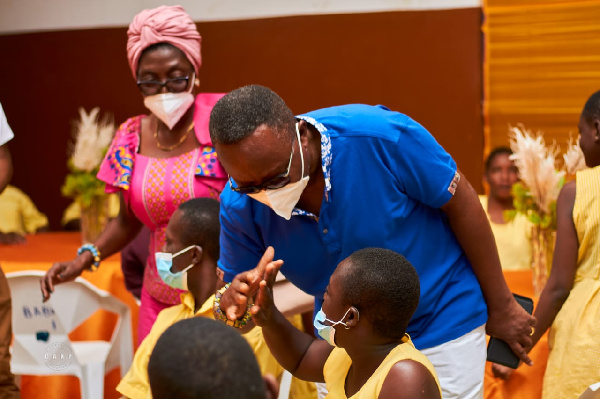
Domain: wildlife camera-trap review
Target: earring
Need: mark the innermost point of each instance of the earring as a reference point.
(197, 82)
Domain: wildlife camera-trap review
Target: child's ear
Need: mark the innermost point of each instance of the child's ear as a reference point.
(352, 317)
(197, 253)
(597, 129)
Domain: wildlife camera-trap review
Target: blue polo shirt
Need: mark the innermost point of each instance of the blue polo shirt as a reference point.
(387, 179)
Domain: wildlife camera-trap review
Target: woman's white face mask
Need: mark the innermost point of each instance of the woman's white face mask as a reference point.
(170, 107)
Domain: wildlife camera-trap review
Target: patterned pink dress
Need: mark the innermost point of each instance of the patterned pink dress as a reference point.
(153, 188)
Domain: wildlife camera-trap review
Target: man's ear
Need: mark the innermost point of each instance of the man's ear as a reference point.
(304, 131)
(271, 386)
(352, 317)
(197, 254)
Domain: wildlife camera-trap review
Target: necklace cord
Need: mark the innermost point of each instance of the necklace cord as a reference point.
(172, 147)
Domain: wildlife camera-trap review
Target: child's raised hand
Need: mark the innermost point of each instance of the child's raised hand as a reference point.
(244, 286)
(262, 311)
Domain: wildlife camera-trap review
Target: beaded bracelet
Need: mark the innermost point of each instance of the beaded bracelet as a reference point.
(95, 253)
(219, 315)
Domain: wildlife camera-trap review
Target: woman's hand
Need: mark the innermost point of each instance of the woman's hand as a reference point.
(61, 272)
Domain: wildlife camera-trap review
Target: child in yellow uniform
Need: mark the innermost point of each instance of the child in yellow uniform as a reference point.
(192, 250)
(204, 358)
(365, 352)
(512, 237)
(19, 216)
(570, 302)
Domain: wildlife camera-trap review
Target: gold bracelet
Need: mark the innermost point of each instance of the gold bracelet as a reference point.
(219, 315)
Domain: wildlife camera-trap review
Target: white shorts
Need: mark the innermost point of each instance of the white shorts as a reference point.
(460, 365)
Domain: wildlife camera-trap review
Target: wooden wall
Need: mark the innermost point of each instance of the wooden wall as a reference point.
(426, 64)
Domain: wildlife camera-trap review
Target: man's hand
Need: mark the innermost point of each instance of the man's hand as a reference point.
(513, 325)
(63, 271)
(244, 286)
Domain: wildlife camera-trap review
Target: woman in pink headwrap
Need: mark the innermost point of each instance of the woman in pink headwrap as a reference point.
(156, 161)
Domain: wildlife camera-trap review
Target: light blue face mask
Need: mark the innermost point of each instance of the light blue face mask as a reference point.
(326, 331)
(164, 262)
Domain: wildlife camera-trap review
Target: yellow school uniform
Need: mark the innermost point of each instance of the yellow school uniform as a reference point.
(574, 338)
(338, 364)
(18, 213)
(512, 239)
(135, 384)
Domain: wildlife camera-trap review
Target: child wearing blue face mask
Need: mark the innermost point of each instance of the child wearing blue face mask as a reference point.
(164, 265)
(189, 262)
(365, 352)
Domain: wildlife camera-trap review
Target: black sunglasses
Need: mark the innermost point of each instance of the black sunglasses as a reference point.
(278, 181)
(174, 85)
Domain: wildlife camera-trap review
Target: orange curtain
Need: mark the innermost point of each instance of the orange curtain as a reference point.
(542, 62)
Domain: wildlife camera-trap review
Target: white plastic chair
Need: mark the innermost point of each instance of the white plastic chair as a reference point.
(41, 343)
(285, 385)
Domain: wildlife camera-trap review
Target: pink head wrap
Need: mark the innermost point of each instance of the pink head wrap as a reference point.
(165, 24)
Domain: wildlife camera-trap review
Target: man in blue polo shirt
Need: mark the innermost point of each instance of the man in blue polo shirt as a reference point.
(325, 184)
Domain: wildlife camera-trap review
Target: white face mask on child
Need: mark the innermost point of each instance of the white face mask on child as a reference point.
(327, 331)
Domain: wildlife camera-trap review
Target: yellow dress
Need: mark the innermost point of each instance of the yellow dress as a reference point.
(338, 364)
(512, 240)
(574, 339)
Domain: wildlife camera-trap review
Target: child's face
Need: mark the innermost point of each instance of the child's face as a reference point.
(333, 305)
(501, 176)
(173, 242)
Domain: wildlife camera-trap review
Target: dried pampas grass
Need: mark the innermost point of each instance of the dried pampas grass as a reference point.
(574, 159)
(92, 138)
(536, 164)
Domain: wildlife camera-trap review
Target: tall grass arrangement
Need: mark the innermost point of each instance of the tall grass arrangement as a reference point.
(91, 137)
(535, 195)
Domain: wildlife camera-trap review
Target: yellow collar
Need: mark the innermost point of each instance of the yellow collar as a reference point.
(187, 300)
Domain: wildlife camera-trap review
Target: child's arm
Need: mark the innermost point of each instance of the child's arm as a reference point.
(564, 264)
(409, 379)
(298, 352)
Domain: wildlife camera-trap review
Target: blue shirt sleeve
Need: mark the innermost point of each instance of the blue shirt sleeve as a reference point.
(424, 169)
(240, 247)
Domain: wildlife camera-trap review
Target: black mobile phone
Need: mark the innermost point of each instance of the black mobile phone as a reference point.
(499, 351)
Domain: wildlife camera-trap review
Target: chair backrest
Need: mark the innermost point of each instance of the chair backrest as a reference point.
(36, 325)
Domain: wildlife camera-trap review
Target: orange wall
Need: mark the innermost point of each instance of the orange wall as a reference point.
(426, 64)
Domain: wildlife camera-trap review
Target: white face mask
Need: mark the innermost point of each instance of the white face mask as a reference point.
(284, 199)
(170, 107)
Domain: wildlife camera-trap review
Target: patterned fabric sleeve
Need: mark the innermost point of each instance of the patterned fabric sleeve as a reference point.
(116, 168)
(208, 165)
